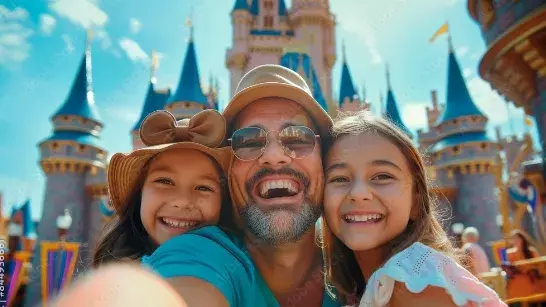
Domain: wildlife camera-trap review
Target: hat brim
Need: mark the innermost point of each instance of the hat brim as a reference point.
(287, 91)
(125, 169)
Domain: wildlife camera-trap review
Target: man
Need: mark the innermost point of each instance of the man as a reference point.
(276, 185)
(479, 261)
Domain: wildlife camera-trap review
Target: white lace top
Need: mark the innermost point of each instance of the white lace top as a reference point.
(420, 266)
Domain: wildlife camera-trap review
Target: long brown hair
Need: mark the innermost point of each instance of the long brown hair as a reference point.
(525, 244)
(342, 270)
(125, 237)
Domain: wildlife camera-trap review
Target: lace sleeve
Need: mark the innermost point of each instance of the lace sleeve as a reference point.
(420, 266)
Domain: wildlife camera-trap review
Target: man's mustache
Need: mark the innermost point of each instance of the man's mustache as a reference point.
(264, 172)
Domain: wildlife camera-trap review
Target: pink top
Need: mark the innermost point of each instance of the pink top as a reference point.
(479, 258)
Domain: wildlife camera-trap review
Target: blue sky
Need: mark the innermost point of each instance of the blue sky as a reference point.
(42, 42)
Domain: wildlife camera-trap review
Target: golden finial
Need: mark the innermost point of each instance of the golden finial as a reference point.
(189, 24)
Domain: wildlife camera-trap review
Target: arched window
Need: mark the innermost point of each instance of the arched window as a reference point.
(268, 21)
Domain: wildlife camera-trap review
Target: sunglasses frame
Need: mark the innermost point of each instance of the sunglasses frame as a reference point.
(277, 139)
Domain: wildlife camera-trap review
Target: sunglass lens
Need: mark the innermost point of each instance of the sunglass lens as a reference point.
(248, 143)
(298, 141)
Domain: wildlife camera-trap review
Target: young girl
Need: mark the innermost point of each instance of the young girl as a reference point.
(382, 240)
(175, 185)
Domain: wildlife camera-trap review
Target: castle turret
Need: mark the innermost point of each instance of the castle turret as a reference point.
(155, 100)
(74, 162)
(391, 108)
(237, 56)
(465, 158)
(348, 96)
(314, 24)
(188, 98)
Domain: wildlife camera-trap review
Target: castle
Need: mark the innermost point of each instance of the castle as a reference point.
(464, 161)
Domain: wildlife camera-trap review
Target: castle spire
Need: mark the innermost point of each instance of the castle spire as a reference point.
(189, 86)
(391, 109)
(240, 5)
(346, 85)
(80, 100)
(458, 103)
(153, 67)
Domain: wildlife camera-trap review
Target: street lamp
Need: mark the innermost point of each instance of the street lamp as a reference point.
(63, 224)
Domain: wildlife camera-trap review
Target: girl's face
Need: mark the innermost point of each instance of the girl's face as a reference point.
(368, 191)
(181, 192)
(517, 241)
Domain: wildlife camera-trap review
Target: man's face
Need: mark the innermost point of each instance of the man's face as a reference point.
(279, 198)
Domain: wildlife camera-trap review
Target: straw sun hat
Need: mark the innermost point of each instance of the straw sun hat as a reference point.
(161, 132)
(277, 81)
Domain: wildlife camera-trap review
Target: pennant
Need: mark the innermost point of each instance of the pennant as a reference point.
(15, 271)
(443, 30)
(58, 260)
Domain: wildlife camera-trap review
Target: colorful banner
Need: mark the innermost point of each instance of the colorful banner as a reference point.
(499, 252)
(16, 273)
(58, 261)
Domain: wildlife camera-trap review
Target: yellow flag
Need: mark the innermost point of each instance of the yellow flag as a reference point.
(443, 30)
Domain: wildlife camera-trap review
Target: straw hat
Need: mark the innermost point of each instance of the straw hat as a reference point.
(276, 81)
(161, 131)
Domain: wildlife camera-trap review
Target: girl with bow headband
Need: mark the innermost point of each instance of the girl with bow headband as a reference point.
(174, 185)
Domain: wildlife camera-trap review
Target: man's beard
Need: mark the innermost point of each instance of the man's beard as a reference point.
(300, 218)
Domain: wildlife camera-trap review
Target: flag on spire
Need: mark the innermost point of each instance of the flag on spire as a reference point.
(444, 29)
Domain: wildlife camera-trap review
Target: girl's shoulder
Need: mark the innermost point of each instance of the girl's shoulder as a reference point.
(424, 270)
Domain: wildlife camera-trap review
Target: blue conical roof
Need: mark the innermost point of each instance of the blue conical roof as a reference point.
(301, 61)
(189, 85)
(391, 109)
(28, 223)
(154, 101)
(346, 86)
(240, 5)
(80, 101)
(458, 103)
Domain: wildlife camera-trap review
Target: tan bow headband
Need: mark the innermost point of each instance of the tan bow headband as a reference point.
(207, 127)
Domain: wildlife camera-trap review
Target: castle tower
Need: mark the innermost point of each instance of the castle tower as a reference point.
(428, 138)
(348, 96)
(464, 158)
(302, 64)
(74, 162)
(188, 98)
(391, 108)
(155, 100)
(314, 24)
(515, 60)
(262, 33)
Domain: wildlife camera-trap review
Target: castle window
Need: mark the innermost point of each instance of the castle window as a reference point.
(483, 146)
(65, 118)
(81, 148)
(455, 121)
(54, 146)
(268, 4)
(456, 150)
(268, 21)
(187, 105)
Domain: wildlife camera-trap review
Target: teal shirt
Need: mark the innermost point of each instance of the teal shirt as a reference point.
(211, 255)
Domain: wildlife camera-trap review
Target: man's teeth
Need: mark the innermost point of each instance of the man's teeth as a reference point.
(363, 217)
(178, 223)
(278, 184)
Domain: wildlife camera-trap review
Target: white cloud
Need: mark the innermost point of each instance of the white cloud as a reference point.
(14, 36)
(85, 13)
(104, 38)
(414, 114)
(461, 51)
(135, 25)
(18, 13)
(47, 24)
(69, 46)
(467, 72)
(125, 114)
(489, 102)
(133, 50)
(364, 33)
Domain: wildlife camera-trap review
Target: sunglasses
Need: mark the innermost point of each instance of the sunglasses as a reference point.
(249, 143)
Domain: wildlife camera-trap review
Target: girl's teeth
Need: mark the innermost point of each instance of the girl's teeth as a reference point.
(178, 223)
(363, 217)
